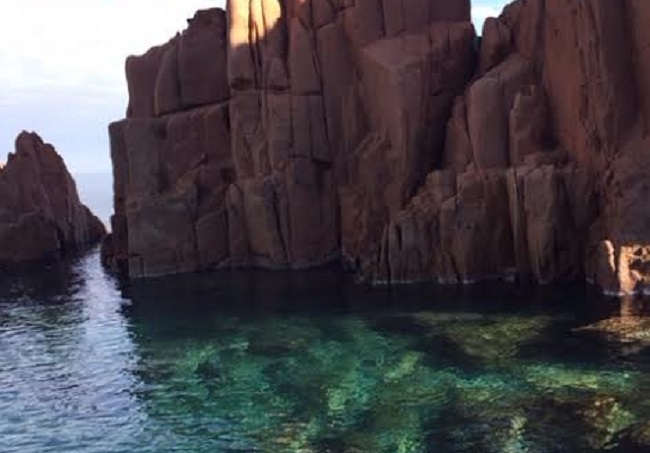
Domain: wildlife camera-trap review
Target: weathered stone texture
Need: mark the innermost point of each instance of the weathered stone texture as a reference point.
(283, 133)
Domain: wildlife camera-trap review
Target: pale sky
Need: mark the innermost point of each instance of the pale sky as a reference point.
(62, 66)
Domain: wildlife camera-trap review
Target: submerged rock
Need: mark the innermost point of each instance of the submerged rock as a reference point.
(41, 214)
(472, 339)
(351, 383)
(641, 434)
(624, 329)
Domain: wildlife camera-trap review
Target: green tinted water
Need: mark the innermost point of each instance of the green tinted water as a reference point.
(273, 363)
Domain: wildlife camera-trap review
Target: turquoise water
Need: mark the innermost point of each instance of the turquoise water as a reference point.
(261, 362)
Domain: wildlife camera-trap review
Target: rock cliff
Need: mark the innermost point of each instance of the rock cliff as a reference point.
(41, 215)
(289, 133)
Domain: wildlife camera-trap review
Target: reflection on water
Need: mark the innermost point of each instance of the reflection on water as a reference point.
(67, 362)
(263, 362)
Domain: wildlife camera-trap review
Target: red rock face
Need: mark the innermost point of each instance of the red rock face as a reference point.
(40, 211)
(245, 132)
(284, 133)
(556, 110)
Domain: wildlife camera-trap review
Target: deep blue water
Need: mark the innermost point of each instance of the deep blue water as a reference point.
(271, 362)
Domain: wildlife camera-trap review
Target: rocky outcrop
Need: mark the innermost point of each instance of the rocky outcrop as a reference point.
(41, 215)
(286, 133)
(247, 132)
(547, 146)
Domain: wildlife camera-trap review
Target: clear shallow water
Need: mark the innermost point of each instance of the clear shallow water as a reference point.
(262, 362)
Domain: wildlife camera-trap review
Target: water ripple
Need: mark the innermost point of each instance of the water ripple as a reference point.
(84, 369)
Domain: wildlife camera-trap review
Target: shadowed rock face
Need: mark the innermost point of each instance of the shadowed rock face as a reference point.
(40, 211)
(286, 133)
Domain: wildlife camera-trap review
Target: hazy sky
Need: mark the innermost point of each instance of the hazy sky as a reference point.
(62, 66)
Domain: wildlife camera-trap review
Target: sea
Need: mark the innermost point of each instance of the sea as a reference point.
(315, 362)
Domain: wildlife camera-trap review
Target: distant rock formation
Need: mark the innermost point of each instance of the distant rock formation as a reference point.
(287, 133)
(41, 215)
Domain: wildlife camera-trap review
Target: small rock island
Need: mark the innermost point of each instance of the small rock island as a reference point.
(41, 215)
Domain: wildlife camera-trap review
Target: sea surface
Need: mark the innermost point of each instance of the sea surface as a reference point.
(311, 362)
